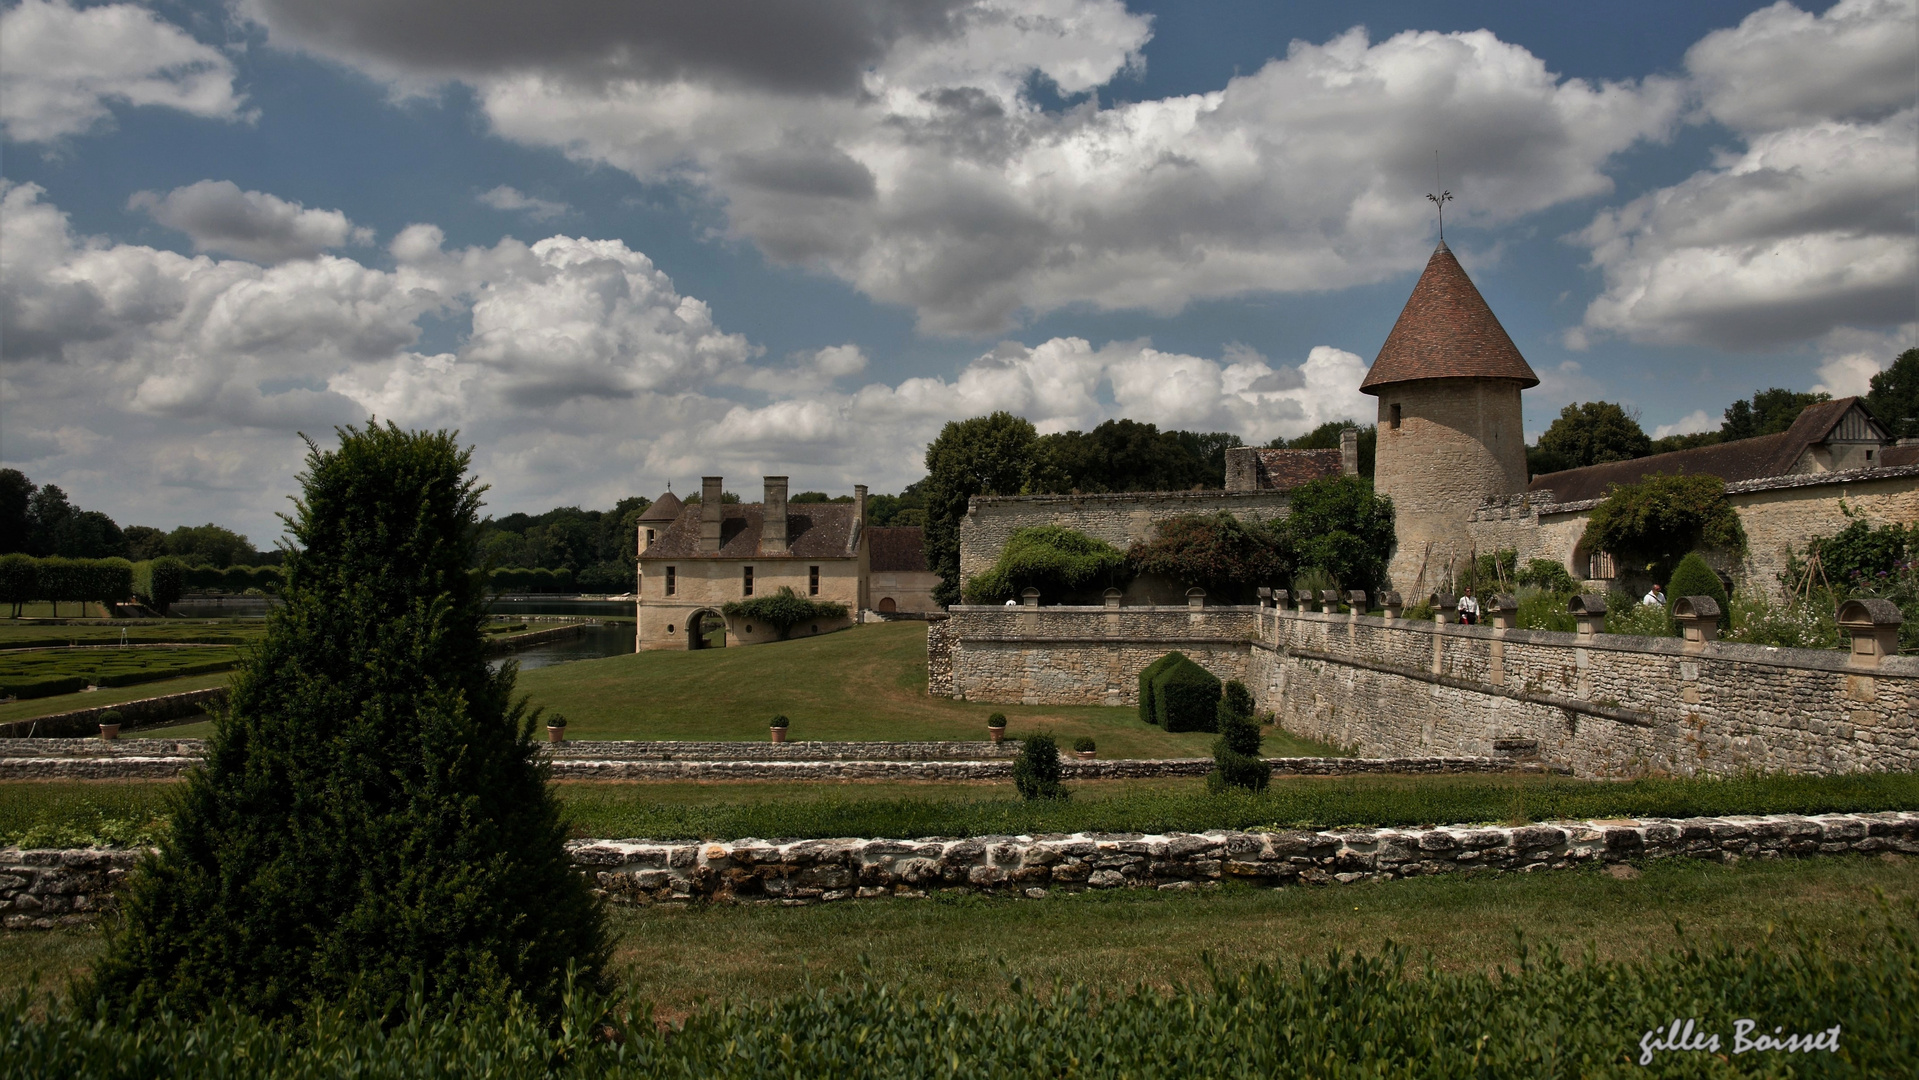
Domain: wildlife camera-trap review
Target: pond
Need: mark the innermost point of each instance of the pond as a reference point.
(255, 607)
(598, 640)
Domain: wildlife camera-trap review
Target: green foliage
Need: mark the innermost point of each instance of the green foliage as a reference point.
(1626, 615)
(1237, 698)
(522, 579)
(159, 582)
(1326, 437)
(1125, 455)
(905, 509)
(1085, 744)
(1651, 525)
(372, 814)
(1313, 581)
(1768, 413)
(997, 719)
(1337, 523)
(1236, 761)
(1059, 562)
(1494, 571)
(1186, 697)
(779, 721)
(1860, 553)
(1793, 624)
(1545, 609)
(986, 455)
(1148, 707)
(210, 545)
(1591, 433)
(1036, 771)
(1227, 557)
(19, 580)
(1547, 574)
(1894, 397)
(1687, 441)
(32, 674)
(783, 610)
(1693, 577)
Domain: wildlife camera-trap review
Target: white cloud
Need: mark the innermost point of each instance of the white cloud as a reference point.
(1691, 423)
(1811, 226)
(509, 199)
(1849, 358)
(61, 67)
(263, 228)
(932, 179)
(1566, 384)
(585, 376)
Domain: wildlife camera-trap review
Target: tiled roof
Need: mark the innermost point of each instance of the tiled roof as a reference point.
(897, 548)
(1899, 455)
(1446, 331)
(1283, 470)
(664, 508)
(1742, 459)
(813, 531)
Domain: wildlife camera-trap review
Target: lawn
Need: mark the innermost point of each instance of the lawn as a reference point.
(197, 631)
(868, 682)
(87, 699)
(971, 948)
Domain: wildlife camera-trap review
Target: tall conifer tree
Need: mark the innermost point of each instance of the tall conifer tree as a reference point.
(371, 807)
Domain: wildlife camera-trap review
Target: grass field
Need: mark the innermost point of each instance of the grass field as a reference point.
(868, 682)
(197, 631)
(972, 947)
(47, 706)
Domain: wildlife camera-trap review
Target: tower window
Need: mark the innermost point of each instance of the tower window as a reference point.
(649, 536)
(1395, 417)
(669, 581)
(746, 581)
(812, 581)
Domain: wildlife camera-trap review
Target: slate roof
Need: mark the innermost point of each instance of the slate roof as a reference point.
(813, 531)
(1742, 459)
(897, 548)
(1899, 455)
(1446, 331)
(664, 508)
(1283, 470)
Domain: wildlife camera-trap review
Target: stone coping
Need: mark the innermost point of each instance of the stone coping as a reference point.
(1743, 487)
(50, 888)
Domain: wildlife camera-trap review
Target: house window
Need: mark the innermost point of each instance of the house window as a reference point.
(649, 536)
(1395, 418)
(1600, 567)
(669, 581)
(746, 581)
(812, 581)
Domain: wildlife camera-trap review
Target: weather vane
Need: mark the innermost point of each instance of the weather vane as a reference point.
(1440, 200)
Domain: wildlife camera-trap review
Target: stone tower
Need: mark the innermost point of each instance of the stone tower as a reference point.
(1450, 427)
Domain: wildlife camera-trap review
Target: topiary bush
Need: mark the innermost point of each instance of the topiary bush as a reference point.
(1236, 761)
(372, 820)
(1036, 771)
(1148, 705)
(1085, 744)
(1186, 697)
(1237, 698)
(1692, 577)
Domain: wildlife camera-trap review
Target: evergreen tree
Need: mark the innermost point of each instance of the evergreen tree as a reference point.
(1895, 395)
(371, 808)
(1768, 413)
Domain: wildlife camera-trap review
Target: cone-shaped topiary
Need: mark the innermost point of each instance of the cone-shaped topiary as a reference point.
(1692, 577)
(1036, 771)
(1148, 709)
(371, 809)
(1238, 698)
(1236, 761)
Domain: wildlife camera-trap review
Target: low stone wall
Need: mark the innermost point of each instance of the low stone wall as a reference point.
(49, 889)
(1068, 655)
(800, 750)
(82, 722)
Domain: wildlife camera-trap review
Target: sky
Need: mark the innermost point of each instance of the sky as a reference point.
(619, 246)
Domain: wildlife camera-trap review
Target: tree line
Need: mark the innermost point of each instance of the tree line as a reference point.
(40, 520)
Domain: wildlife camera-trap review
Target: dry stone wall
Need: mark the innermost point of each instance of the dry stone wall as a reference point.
(1081, 655)
(45, 889)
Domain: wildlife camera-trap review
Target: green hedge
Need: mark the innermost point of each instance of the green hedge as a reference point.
(134, 678)
(24, 580)
(39, 686)
(1186, 697)
(525, 579)
(1148, 708)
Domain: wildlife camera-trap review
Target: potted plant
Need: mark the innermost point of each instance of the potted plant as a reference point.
(1084, 746)
(996, 727)
(110, 724)
(778, 727)
(556, 728)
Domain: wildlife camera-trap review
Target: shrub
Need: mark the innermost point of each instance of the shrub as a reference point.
(1186, 697)
(1795, 624)
(1338, 523)
(998, 719)
(1692, 577)
(1237, 698)
(1036, 771)
(39, 686)
(782, 610)
(1542, 609)
(1651, 525)
(1860, 551)
(1058, 562)
(1148, 706)
(159, 582)
(1547, 574)
(372, 820)
(557, 720)
(1314, 580)
(779, 721)
(1227, 557)
(1236, 761)
(1085, 744)
(1626, 615)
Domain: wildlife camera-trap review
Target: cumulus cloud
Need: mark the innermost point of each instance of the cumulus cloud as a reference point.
(1810, 226)
(1689, 424)
(62, 67)
(582, 369)
(510, 199)
(916, 164)
(217, 216)
(1849, 358)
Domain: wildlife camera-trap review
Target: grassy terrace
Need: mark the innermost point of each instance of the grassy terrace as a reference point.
(970, 948)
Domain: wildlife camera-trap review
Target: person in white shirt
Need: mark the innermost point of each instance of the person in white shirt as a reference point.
(1655, 595)
(1468, 609)
(1012, 603)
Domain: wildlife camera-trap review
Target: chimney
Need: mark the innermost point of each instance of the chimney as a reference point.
(711, 512)
(773, 517)
(1349, 451)
(859, 505)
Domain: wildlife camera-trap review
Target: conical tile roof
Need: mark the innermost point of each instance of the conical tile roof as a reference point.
(664, 508)
(1447, 332)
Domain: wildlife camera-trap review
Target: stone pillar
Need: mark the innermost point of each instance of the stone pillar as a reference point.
(1112, 599)
(1503, 609)
(1349, 451)
(1356, 599)
(1393, 605)
(1445, 607)
(1328, 601)
(1030, 598)
(1698, 619)
(1589, 613)
(1196, 598)
(1874, 626)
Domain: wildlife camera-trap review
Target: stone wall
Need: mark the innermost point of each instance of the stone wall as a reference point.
(48, 889)
(1081, 655)
(1121, 519)
(1457, 440)
(1607, 705)
(86, 721)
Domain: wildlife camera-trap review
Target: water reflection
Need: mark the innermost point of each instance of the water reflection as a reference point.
(595, 641)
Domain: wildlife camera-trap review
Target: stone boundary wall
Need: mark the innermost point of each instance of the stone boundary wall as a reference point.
(1608, 705)
(1071, 655)
(81, 722)
(45, 889)
(1119, 518)
(505, 644)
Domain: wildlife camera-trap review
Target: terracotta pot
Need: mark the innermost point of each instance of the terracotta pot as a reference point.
(779, 734)
(555, 734)
(1086, 755)
(109, 731)
(998, 734)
